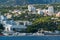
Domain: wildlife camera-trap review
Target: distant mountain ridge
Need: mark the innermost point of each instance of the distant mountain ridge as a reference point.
(23, 2)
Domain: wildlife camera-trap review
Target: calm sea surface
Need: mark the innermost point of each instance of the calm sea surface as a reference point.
(30, 38)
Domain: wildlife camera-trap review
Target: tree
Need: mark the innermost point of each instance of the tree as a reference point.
(1, 28)
(44, 22)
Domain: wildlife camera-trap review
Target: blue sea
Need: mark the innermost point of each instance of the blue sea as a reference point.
(30, 38)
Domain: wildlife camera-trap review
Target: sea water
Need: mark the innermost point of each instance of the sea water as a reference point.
(29, 37)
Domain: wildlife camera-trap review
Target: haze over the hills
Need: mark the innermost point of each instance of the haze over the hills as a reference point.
(23, 2)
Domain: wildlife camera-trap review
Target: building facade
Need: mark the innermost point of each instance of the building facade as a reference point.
(50, 10)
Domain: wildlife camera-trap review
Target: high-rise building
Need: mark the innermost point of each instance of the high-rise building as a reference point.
(50, 10)
(31, 8)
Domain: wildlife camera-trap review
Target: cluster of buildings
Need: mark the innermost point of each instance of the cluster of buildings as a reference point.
(8, 24)
(16, 26)
(49, 11)
(13, 26)
(12, 13)
(33, 10)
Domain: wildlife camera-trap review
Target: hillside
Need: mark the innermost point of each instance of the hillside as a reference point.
(23, 2)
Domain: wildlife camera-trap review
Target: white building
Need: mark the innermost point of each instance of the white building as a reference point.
(10, 25)
(31, 8)
(50, 10)
(40, 12)
(1, 17)
(11, 28)
(23, 23)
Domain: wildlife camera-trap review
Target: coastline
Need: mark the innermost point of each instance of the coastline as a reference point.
(33, 34)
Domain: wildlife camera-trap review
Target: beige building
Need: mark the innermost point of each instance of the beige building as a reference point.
(45, 11)
(16, 11)
(58, 14)
(8, 15)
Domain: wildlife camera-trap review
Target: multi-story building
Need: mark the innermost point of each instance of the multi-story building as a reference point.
(40, 12)
(58, 14)
(31, 8)
(50, 10)
(10, 25)
(25, 23)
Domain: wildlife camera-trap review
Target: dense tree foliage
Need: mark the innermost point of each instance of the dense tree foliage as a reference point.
(1, 28)
(45, 23)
